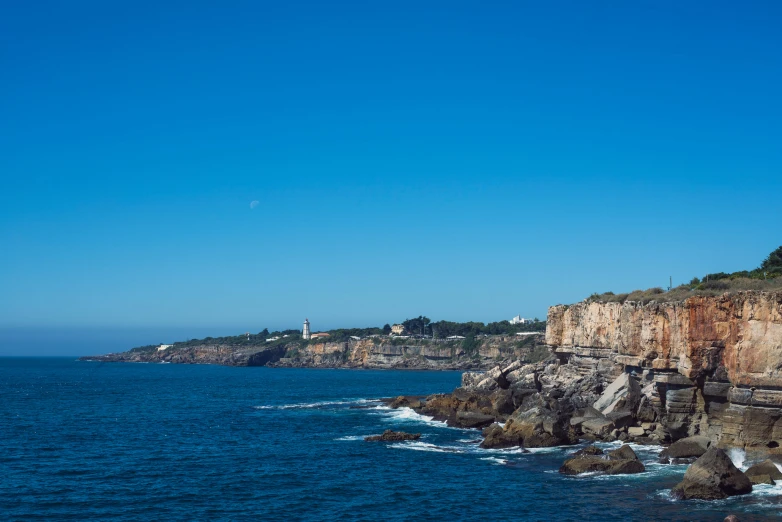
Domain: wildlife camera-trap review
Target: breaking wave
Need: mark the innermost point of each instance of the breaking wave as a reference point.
(320, 404)
(425, 446)
(496, 461)
(407, 415)
(738, 456)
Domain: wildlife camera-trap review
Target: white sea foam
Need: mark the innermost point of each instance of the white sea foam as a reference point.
(495, 461)
(738, 456)
(352, 437)
(408, 415)
(425, 446)
(767, 490)
(320, 404)
(552, 449)
(509, 451)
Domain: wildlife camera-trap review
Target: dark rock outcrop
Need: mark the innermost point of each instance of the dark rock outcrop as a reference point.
(618, 462)
(496, 438)
(405, 401)
(474, 419)
(713, 476)
(393, 436)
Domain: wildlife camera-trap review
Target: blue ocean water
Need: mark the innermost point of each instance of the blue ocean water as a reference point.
(90, 441)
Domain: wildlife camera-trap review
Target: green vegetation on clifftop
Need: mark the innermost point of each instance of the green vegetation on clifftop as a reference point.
(768, 276)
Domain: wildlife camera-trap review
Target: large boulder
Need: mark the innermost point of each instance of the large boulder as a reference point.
(495, 378)
(442, 407)
(470, 379)
(487, 384)
(589, 450)
(623, 453)
(686, 448)
(713, 476)
(523, 376)
(765, 472)
(622, 461)
(515, 365)
(539, 426)
(502, 402)
(624, 394)
(598, 426)
(495, 437)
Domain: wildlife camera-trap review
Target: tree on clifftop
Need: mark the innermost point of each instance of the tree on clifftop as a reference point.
(773, 263)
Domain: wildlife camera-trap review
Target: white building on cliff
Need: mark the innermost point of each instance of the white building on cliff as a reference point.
(305, 332)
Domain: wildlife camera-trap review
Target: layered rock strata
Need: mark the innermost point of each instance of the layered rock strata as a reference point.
(713, 364)
(382, 352)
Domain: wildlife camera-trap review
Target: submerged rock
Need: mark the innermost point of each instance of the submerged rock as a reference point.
(393, 436)
(765, 472)
(713, 476)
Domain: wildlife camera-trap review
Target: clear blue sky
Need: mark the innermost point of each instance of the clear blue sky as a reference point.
(462, 160)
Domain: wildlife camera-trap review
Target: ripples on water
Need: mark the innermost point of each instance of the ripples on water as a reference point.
(85, 441)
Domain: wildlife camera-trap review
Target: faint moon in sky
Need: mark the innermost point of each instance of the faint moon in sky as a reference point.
(254, 204)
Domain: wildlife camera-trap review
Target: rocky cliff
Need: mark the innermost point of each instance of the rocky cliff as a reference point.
(711, 365)
(380, 352)
(223, 354)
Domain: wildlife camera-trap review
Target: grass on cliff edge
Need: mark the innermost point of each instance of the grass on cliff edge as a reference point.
(767, 277)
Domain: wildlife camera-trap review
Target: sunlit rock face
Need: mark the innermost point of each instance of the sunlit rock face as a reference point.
(716, 362)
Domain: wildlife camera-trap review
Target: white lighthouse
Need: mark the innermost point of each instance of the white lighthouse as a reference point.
(305, 332)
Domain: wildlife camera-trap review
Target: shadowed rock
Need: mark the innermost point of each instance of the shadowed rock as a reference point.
(472, 419)
(765, 472)
(713, 476)
(685, 448)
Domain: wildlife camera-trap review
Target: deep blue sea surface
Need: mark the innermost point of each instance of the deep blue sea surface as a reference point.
(85, 441)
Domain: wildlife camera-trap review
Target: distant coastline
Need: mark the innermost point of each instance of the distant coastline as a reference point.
(470, 345)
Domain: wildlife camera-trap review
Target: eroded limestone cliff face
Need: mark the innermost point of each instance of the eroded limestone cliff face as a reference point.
(415, 353)
(714, 363)
(380, 352)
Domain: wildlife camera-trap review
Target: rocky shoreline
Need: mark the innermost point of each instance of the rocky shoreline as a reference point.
(552, 403)
(696, 376)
